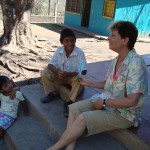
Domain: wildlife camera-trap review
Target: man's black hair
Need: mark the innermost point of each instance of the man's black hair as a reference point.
(3, 80)
(66, 33)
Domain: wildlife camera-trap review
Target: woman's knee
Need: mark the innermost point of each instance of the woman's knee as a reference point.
(74, 111)
(81, 121)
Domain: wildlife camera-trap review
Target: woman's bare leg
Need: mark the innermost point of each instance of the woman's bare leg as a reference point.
(71, 120)
(71, 133)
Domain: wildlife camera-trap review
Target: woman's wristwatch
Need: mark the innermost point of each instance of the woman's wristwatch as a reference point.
(104, 104)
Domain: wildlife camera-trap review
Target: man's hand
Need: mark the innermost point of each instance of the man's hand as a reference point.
(98, 104)
(61, 75)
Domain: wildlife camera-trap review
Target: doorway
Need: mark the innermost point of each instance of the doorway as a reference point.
(86, 13)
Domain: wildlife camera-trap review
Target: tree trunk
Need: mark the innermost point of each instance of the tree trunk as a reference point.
(16, 22)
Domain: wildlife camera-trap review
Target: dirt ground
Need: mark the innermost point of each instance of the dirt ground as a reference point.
(95, 50)
(48, 37)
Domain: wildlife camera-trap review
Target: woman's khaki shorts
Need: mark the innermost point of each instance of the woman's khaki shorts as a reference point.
(98, 121)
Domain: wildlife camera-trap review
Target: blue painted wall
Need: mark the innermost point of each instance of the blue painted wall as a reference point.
(98, 23)
(136, 11)
(72, 19)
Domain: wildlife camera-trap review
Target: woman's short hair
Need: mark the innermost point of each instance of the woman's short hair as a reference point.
(126, 29)
(66, 33)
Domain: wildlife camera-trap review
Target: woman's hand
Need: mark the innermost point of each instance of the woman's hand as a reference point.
(98, 104)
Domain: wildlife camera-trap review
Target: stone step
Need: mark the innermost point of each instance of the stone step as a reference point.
(51, 117)
(27, 134)
(3, 147)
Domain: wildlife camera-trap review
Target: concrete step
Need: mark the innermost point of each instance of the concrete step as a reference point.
(27, 134)
(51, 117)
(3, 147)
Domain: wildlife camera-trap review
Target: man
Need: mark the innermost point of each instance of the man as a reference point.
(64, 70)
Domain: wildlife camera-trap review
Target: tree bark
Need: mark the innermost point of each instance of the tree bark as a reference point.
(16, 22)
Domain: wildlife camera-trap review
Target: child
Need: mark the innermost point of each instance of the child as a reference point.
(10, 99)
(14, 86)
(62, 71)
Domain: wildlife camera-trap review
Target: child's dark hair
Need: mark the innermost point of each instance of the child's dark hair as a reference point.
(3, 80)
(66, 33)
(126, 29)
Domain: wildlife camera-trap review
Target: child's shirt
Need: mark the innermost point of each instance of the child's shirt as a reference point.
(10, 106)
(71, 63)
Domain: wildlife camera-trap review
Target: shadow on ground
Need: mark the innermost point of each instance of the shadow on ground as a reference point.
(57, 28)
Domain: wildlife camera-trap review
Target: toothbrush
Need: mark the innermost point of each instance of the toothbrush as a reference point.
(80, 71)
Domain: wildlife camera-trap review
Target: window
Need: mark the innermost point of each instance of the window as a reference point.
(109, 8)
(73, 6)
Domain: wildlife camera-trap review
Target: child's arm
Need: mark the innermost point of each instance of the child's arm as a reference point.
(23, 102)
(25, 107)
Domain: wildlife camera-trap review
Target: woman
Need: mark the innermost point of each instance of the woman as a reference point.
(120, 104)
